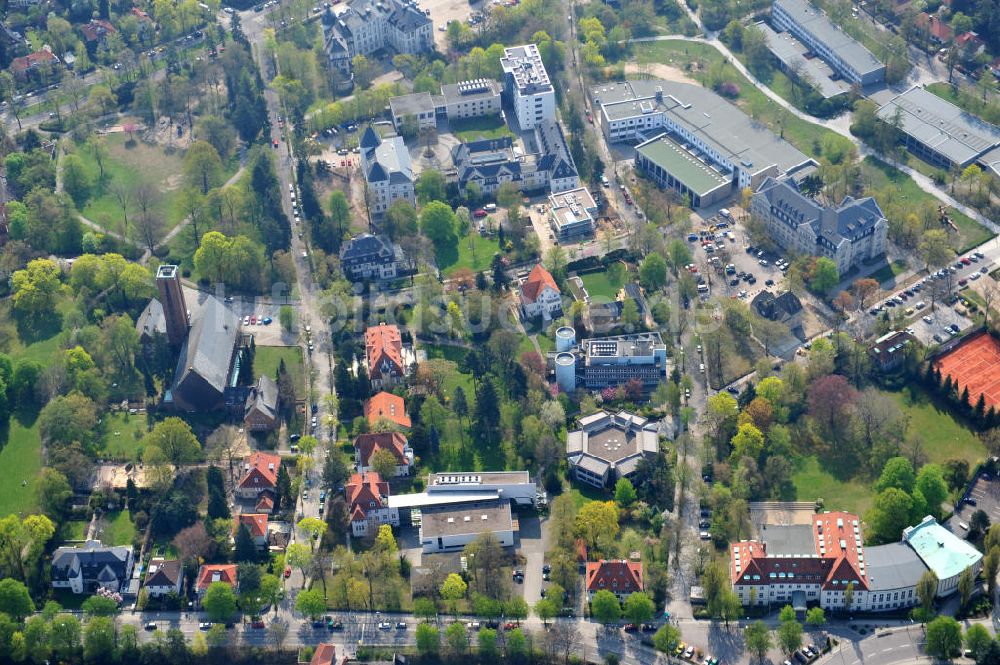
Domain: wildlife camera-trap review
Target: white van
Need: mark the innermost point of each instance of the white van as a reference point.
(725, 213)
(490, 207)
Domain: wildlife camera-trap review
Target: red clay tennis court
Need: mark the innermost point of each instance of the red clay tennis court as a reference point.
(975, 363)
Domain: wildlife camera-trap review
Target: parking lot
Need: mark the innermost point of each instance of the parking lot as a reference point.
(985, 493)
(445, 11)
(723, 238)
(925, 323)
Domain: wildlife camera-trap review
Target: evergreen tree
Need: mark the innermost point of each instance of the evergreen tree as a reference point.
(284, 489)
(947, 387)
(218, 507)
(980, 411)
(487, 411)
(500, 279)
(245, 549)
(966, 405)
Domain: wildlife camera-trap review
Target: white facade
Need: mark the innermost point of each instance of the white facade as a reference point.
(528, 86)
(471, 99)
(375, 516)
(548, 302)
(515, 486)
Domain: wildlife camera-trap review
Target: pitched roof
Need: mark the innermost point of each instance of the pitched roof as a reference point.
(93, 561)
(260, 471)
(162, 572)
(263, 398)
(619, 576)
(388, 406)
(26, 62)
(256, 523)
(325, 654)
(384, 348)
(367, 445)
(208, 574)
(206, 355)
(265, 502)
(97, 29)
(364, 489)
(538, 279)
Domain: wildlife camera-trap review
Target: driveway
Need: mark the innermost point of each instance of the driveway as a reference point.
(534, 539)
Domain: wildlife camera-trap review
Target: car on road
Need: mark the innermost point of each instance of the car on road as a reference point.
(473, 625)
(266, 320)
(150, 625)
(704, 535)
(510, 625)
(630, 628)
(204, 625)
(384, 625)
(257, 623)
(246, 320)
(400, 625)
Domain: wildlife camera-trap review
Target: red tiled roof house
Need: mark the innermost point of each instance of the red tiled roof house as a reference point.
(368, 504)
(540, 295)
(366, 445)
(618, 576)
(388, 406)
(23, 66)
(260, 473)
(211, 573)
(384, 352)
(256, 525)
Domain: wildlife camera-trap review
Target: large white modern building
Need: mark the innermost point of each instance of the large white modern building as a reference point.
(361, 27)
(388, 171)
(850, 234)
(691, 139)
(514, 486)
(852, 61)
(527, 86)
(600, 362)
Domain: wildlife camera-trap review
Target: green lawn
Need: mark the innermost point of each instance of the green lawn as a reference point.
(943, 436)
(456, 354)
(599, 284)
(879, 175)
(813, 482)
(117, 529)
(21, 460)
(583, 493)
(473, 129)
(133, 166)
(76, 529)
(474, 252)
(889, 270)
(697, 58)
(267, 359)
(123, 436)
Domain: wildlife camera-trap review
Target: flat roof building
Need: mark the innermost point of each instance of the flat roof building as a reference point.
(417, 107)
(471, 99)
(449, 528)
(843, 53)
(796, 57)
(527, 85)
(941, 133)
(609, 446)
(943, 552)
(710, 142)
(515, 486)
(571, 214)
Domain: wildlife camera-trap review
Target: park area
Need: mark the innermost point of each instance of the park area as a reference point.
(974, 364)
(931, 429)
(268, 358)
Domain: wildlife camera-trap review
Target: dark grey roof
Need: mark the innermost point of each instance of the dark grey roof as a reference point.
(406, 18)
(852, 219)
(93, 562)
(366, 247)
(775, 308)
(833, 36)
(370, 139)
(555, 153)
(206, 356)
(263, 397)
(892, 566)
(151, 321)
(376, 173)
(163, 573)
(794, 539)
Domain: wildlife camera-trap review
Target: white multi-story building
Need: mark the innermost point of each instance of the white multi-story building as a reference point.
(527, 85)
(388, 171)
(361, 27)
(850, 234)
(540, 295)
(847, 57)
(471, 99)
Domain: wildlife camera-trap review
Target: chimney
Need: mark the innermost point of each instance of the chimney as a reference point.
(175, 311)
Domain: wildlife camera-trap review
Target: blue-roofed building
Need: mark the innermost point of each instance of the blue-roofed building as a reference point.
(943, 552)
(850, 234)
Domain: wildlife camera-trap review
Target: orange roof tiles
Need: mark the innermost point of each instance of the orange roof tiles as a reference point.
(367, 445)
(537, 280)
(325, 654)
(384, 349)
(617, 576)
(388, 406)
(256, 523)
(362, 490)
(260, 471)
(216, 573)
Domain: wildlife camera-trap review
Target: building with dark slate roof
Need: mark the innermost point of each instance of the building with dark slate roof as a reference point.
(491, 162)
(205, 362)
(362, 27)
(388, 170)
(850, 234)
(368, 257)
(784, 308)
(261, 410)
(93, 566)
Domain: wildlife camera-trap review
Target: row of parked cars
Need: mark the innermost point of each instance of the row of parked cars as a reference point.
(804, 655)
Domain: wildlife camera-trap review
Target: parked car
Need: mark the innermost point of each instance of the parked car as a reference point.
(384, 625)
